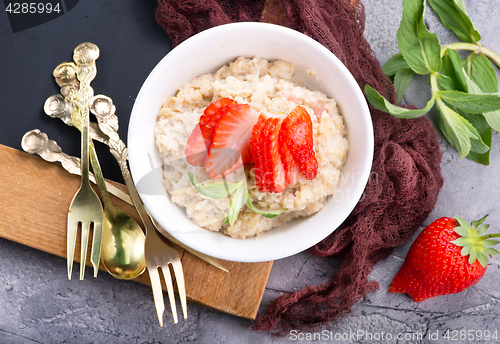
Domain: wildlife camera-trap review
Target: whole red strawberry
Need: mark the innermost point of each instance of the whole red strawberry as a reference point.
(447, 257)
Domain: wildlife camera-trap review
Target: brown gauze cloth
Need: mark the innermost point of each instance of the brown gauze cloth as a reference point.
(406, 174)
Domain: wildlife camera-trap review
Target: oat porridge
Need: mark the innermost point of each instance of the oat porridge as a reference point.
(267, 88)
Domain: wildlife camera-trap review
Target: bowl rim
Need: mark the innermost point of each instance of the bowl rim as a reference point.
(134, 150)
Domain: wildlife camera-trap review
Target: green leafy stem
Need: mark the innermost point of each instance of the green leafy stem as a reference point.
(240, 197)
(464, 89)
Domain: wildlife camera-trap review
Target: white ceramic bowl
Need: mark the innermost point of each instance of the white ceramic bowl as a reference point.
(205, 53)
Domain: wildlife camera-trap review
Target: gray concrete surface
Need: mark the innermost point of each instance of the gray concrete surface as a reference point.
(39, 305)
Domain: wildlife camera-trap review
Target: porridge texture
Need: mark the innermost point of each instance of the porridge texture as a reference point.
(265, 86)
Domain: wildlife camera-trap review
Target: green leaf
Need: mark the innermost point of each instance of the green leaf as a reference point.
(454, 129)
(478, 152)
(460, 4)
(491, 242)
(471, 103)
(419, 47)
(473, 255)
(460, 241)
(394, 64)
(491, 251)
(402, 79)
(452, 67)
(477, 144)
(466, 250)
(382, 104)
(268, 213)
(463, 225)
(237, 203)
(215, 191)
(480, 69)
(492, 117)
(479, 222)
(454, 18)
(482, 258)
(445, 82)
(482, 229)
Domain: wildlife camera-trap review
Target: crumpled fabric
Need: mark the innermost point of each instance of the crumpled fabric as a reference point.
(406, 175)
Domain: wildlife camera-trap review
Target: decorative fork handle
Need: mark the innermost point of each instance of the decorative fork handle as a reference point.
(73, 108)
(84, 56)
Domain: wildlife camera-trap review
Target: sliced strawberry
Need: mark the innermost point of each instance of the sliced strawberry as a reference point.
(268, 169)
(213, 108)
(289, 163)
(297, 128)
(256, 152)
(271, 165)
(231, 139)
(200, 139)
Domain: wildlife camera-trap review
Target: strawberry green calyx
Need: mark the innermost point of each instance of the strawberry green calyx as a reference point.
(473, 243)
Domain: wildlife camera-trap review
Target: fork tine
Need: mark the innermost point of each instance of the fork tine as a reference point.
(157, 293)
(179, 277)
(85, 243)
(170, 290)
(95, 254)
(70, 247)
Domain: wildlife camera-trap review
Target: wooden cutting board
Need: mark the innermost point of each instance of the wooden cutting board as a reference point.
(33, 211)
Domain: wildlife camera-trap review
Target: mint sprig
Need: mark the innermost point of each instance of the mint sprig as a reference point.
(240, 197)
(464, 90)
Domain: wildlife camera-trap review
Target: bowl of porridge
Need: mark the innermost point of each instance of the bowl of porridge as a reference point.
(266, 72)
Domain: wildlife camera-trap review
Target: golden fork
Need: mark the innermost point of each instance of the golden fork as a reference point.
(86, 208)
(160, 254)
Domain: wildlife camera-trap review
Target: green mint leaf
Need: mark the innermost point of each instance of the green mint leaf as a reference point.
(215, 191)
(268, 213)
(480, 149)
(471, 103)
(454, 129)
(492, 117)
(394, 64)
(460, 4)
(419, 47)
(402, 79)
(382, 104)
(452, 67)
(480, 69)
(445, 83)
(237, 202)
(453, 17)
